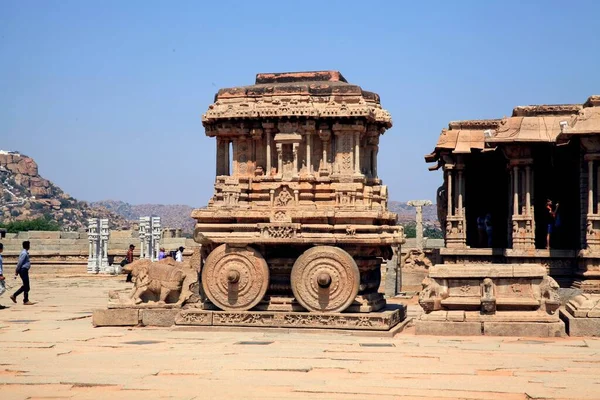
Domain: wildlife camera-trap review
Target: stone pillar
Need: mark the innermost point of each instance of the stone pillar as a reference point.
(456, 235)
(279, 159)
(523, 223)
(592, 236)
(418, 204)
(295, 162)
(309, 168)
(156, 230)
(357, 153)
(93, 238)
(325, 136)
(268, 139)
(145, 236)
(104, 236)
(590, 187)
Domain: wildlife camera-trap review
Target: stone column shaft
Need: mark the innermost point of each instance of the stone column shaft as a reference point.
(590, 187)
(279, 159)
(357, 153)
(268, 135)
(449, 192)
(295, 156)
(309, 153)
(516, 190)
(528, 190)
(461, 187)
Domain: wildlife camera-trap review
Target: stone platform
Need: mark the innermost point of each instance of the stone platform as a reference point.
(383, 320)
(461, 323)
(581, 315)
(490, 299)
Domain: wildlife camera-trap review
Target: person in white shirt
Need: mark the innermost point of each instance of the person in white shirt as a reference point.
(179, 254)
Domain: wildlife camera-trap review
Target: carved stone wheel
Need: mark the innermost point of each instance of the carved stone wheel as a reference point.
(235, 278)
(325, 279)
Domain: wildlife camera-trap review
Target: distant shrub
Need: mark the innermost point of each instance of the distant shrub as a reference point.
(38, 224)
(37, 206)
(433, 233)
(410, 230)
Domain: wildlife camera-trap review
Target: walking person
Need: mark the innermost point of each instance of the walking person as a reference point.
(22, 270)
(2, 279)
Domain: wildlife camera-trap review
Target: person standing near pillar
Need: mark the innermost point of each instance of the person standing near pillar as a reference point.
(22, 270)
(550, 220)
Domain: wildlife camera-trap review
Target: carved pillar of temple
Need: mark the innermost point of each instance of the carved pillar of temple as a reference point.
(357, 153)
(156, 236)
(104, 236)
(325, 136)
(523, 222)
(346, 139)
(309, 168)
(279, 159)
(269, 128)
(592, 236)
(145, 235)
(257, 153)
(522, 229)
(456, 226)
(93, 238)
(295, 160)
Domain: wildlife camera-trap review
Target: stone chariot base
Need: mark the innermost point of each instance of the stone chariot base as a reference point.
(383, 320)
(461, 323)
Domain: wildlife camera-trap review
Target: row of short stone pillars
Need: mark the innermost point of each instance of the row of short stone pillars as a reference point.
(150, 233)
(98, 235)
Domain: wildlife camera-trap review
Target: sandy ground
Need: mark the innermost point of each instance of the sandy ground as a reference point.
(51, 351)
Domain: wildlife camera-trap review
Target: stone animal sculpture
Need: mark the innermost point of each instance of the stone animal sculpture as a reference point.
(163, 280)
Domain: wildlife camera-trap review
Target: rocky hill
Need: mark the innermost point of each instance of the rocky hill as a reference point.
(407, 213)
(24, 194)
(172, 216)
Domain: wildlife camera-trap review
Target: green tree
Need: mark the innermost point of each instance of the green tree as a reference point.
(38, 224)
(433, 233)
(410, 230)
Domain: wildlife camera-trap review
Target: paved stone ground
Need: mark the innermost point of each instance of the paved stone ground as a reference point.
(51, 350)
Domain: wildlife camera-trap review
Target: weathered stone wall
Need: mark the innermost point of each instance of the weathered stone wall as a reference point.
(67, 252)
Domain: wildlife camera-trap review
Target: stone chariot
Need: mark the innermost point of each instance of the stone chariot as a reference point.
(298, 220)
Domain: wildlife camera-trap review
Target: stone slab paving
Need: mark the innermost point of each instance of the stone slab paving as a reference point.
(51, 351)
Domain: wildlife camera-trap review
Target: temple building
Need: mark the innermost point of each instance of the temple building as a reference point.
(520, 206)
(498, 177)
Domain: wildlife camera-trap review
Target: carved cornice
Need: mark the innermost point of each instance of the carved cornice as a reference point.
(553, 109)
(475, 124)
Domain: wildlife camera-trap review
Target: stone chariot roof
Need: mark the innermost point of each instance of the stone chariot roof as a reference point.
(318, 94)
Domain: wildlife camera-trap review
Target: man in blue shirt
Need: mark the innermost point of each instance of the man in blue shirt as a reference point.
(22, 270)
(2, 285)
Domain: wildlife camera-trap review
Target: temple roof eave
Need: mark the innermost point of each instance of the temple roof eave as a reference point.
(527, 125)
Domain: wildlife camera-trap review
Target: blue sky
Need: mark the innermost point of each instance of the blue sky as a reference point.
(107, 95)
